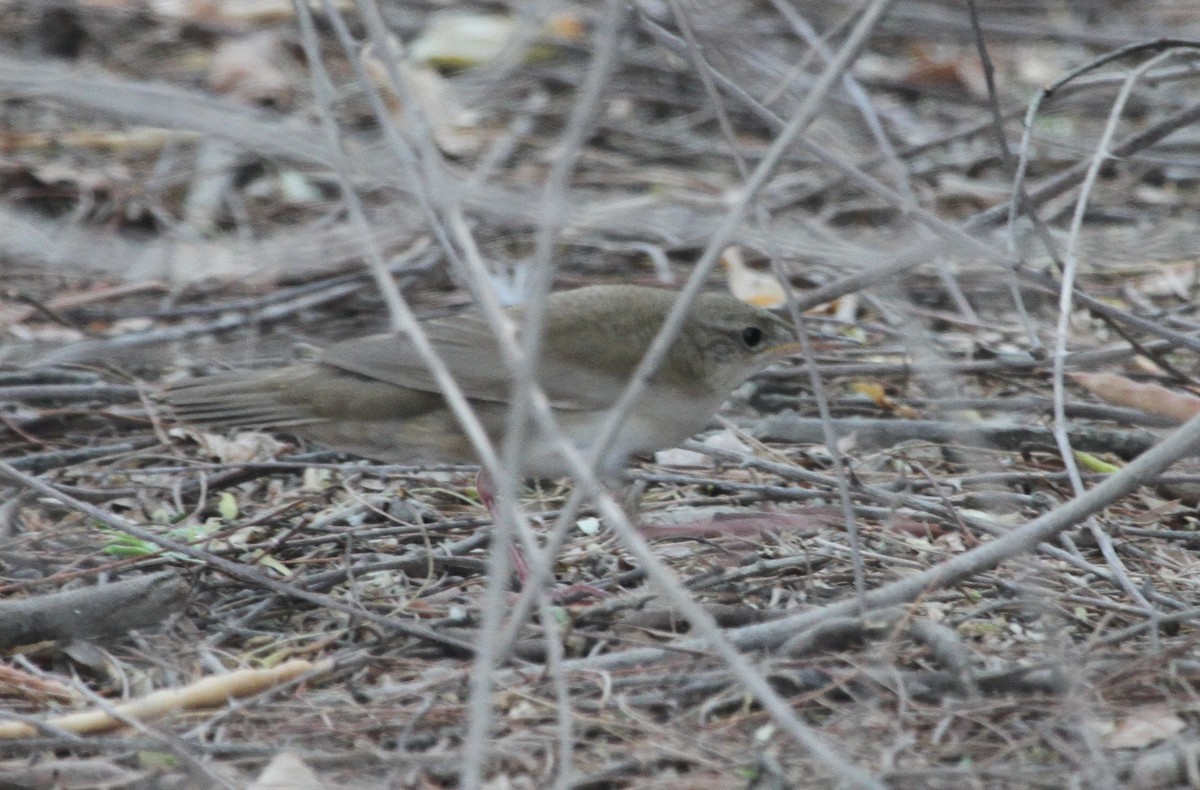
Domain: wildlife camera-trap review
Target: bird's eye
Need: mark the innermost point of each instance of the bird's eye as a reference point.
(752, 336)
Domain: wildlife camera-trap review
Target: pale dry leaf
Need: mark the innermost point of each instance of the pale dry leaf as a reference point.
(759, 289)
(1039, 65)
(75, 178)
(253, 69)
(244, 446)
(1144, 727)
(589, 525)
(1175, 279)
(455, 39)
(728, 441)
(287, 771)
(721, 440)
(462, 39)
(1150, 398)
(846, 311)
(677, 456)
(452, 124)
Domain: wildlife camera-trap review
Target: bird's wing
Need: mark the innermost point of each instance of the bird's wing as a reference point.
(239, 398)
(466, 344)
(293, 396)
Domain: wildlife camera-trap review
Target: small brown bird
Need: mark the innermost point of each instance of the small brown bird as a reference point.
(374, 397)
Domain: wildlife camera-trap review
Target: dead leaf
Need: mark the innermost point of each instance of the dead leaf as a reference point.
(677, 456)
(457, 39)
(253, 70)
(1150, 398)
(287, 771)
(1144, 727)
(916, 527)
(243, 447)
(931, 71)
(759, 289)
(452, 124)
(878, 395)
(1175, 279)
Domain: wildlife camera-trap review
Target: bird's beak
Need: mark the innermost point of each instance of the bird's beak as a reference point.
(784, 350)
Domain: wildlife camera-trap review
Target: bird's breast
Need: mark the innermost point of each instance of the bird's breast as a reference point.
(658, 421)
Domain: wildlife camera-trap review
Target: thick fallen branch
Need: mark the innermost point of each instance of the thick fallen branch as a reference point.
(99, 610)
(789, 427)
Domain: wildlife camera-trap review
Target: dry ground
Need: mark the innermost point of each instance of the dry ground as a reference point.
(963, 581)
